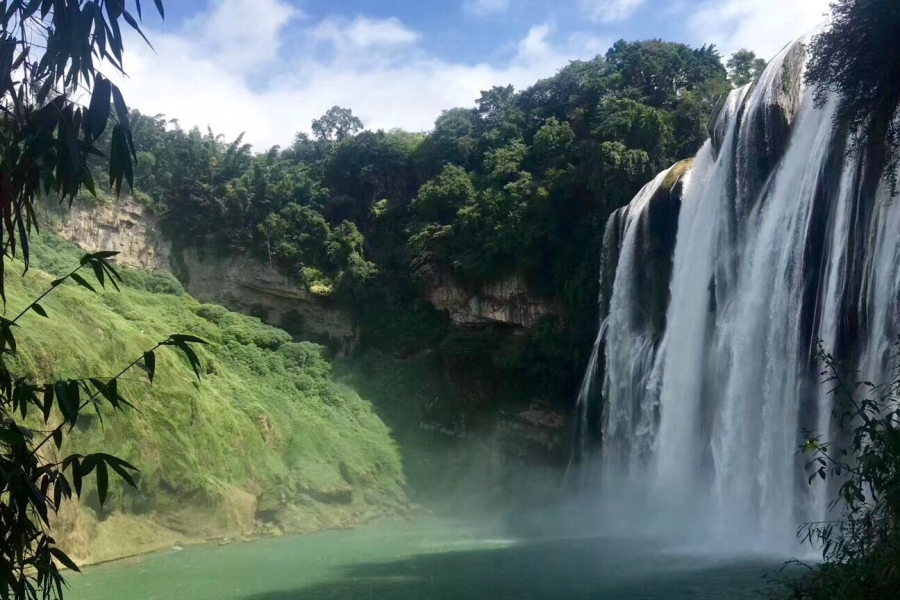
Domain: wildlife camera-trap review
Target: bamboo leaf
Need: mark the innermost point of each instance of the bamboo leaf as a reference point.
(188, 338)
(102, 481)
(149, 364)
(48, 401)
(98, 111)
(98, 273)
(64, 559)
(81, 281)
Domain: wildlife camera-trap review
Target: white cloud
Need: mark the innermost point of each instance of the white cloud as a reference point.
(587, 45)
(483, 8)
(363, 32)
(377, 68)
(242, 33)
(609, 11)
(764, 26)
(535, 44)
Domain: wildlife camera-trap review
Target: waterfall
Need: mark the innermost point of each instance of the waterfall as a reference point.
(708, 405)
(628, 421)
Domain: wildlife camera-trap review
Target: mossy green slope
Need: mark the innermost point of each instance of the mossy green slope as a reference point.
(265, 439)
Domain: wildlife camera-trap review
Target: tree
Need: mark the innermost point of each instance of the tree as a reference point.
(344, 250)
(744, 67)
(366, 168)
(49, 51)
(552, 144)
(496, 104)
(619, 171)
(504, 164)
(296, 237)
(637, 126)
(857, 59)
(658, 71)
(336, 124)
(304, 149)
(689, 125)
(440, 198)
(454, 139)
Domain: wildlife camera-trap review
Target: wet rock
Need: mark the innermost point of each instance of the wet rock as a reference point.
(657, 228)
(507, 301)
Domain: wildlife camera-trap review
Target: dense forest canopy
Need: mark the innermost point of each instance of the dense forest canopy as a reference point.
(521, 184)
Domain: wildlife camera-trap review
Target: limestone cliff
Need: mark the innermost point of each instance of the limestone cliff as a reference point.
(266, 440)
(248, 285)
(506, 301)
(126, 227)
(240, 283)
(252, 287)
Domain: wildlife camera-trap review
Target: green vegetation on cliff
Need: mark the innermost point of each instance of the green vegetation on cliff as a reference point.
(266, 438)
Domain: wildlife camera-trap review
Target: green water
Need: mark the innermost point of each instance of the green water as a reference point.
(422, 561)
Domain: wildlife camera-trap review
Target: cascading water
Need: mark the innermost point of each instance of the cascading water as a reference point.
(707, 406)
(629, 416)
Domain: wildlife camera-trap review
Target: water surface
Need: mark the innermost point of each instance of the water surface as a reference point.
(426, 560)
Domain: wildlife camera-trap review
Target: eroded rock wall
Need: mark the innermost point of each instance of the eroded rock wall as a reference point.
(241, 283)
(126, 227)
(252, 287)
(507, 301)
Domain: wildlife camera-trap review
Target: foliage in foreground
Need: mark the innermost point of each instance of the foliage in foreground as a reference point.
(36, 480)
(56, 105)
(861, 549)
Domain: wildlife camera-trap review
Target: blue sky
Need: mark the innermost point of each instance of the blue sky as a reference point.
(268, 67)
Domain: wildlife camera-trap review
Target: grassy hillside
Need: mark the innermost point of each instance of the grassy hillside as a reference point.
(266, 440)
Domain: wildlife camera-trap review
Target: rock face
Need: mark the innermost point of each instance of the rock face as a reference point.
(247, 285)
(770, 102)
(654, 216)
(240, 283)
(765, 111)
(126, 227)
(506, 301)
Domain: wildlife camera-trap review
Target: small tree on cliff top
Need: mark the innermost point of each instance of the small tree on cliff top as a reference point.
(49, 52)
(744, 66)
